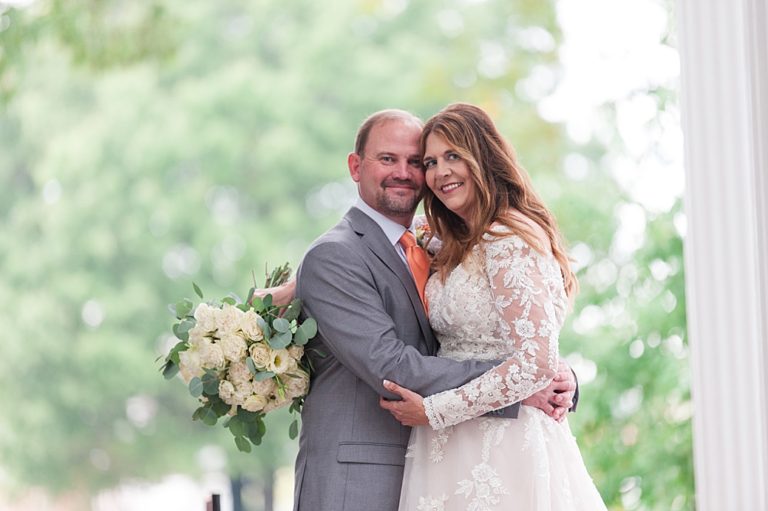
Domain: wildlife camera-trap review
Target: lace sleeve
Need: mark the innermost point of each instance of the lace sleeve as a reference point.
(527, 291)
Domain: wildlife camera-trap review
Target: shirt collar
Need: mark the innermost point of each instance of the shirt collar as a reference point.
(392, 230)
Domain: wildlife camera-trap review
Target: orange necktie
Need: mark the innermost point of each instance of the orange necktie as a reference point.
(418, 262)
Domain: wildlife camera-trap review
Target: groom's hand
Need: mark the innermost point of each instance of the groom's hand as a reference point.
(409, 411)
(557, 398)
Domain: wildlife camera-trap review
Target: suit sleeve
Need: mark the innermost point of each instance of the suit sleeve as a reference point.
(338, 291)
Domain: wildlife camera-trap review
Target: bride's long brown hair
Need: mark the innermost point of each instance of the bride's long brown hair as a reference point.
(502, 187)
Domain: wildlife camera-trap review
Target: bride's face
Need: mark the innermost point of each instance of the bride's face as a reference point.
(448, 176)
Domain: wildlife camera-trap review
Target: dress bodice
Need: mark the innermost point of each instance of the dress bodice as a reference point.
(507, 302)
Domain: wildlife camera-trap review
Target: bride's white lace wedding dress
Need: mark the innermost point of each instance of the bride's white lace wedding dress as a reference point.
(505, 302)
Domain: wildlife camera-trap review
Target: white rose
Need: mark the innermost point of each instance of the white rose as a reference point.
(297, 384)
(239, 373)
(296, 352)
(204, 316)
(276, 402)
(261, 354)
(228, 319)
(250, 326)
(281, 362)
(233, 346)
(212, 356)
(190, 364)
(197, 335)
(242, 392)
(255, 403)
(227, 392)
(264, 387)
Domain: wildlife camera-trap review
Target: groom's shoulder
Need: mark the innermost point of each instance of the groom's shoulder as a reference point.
(340, 238)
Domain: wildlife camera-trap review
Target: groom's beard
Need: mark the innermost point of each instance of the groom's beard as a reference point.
(398, 197)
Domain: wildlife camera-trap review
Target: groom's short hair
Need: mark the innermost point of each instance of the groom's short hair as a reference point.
(381, 117)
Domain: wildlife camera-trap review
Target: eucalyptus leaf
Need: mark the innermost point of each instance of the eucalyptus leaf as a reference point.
(293, 430)
(196, 387)
(184, 307)
(197, 290)
(264, 375)
(183, 335)
(207, 416)
(210, 384)
(251, 366)
(306, 331)
(293, 310)
(242, 443)
(265, 329)
(236, 426)
(170, 370)
(281, 325)
(229, 300)
(258, 304)
(281, 340)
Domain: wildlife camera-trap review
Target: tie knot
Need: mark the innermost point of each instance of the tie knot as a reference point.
(408, 240)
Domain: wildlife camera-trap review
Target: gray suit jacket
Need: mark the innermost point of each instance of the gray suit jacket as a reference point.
(371, 326)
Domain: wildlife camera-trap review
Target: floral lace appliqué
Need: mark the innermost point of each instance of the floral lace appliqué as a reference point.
(521, 325)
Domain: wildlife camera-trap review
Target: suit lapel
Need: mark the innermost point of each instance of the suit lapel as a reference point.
(372, 235)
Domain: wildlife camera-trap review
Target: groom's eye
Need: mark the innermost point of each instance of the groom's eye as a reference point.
(387, 160)
(414, 162)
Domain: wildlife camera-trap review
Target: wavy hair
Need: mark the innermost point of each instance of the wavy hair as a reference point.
(502, 187)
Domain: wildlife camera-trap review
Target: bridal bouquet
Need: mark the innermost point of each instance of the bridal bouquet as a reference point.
(242, 359)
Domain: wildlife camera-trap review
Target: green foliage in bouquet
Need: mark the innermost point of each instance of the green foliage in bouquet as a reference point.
(242, 359)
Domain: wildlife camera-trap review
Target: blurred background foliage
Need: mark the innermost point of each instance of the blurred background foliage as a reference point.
(144, 145)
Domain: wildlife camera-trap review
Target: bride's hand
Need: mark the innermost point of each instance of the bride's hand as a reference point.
(409, 411)
(557, 399)
(281, 295)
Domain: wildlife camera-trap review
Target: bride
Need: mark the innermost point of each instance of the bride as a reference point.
(500, 291)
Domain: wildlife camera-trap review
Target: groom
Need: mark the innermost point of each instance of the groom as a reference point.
(355, 281)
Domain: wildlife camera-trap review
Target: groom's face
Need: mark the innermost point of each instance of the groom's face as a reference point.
(389, 174)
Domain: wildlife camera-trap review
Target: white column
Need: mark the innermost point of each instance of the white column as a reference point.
(724, 52)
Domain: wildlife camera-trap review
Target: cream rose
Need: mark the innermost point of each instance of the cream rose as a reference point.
(297, 383)
(190, 364)
(250, 326)
(205, 317)
(228, 319)
(276, 402)
(233, 346)
(255, 403)
(264, 387)
(212, 356)
(238, 373)
(261, 354)
(296, 352)
(281, 362)
(227, 392)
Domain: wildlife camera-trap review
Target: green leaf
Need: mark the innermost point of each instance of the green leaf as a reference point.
(184, 307)
(249, 363)
(243, 307)
(305, 332)
(197, 290)
(173, 355)
(258, 304)
(264, 375)
(281, 340)
(265, 329)
(196, 387)
(293, 310)
(229, 300)
(170, 370)
(236, 426)
(254, 431)
(242, 443)
(267, 300)
(293, 430)
(281, 325)
(210, 384)
(206, 415)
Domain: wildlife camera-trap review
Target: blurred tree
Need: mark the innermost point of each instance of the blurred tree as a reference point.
(143, 146)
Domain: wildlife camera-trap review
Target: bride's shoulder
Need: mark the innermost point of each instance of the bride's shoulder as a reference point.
(519, 230)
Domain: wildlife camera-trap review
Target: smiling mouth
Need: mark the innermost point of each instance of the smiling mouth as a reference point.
(450, 187)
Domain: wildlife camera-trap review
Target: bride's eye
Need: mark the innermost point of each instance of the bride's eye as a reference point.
(452, 157)
(429, 163)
